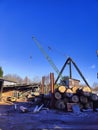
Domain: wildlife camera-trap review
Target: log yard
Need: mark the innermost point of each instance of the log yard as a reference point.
(48, 64)
(65, 105)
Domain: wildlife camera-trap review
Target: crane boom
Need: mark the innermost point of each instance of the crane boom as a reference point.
(45, 54)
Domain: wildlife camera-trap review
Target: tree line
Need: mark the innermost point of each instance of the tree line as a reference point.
(17, 78)
(36, 79)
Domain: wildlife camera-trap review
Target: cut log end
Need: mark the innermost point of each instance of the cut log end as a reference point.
(57, 95)
(61, 89)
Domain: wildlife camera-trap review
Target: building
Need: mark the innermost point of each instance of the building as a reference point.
(9, 83)
(5, 82)
(69, 82)
(72, 82)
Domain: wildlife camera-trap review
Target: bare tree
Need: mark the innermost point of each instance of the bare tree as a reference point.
(47, 84)
(13, 77)
(27, 80)
(95, 86)
(36, 79)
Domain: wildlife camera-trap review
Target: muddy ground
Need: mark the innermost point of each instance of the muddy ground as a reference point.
(46, 119)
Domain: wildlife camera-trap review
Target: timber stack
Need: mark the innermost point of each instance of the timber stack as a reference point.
(72, 94)
(66, 95)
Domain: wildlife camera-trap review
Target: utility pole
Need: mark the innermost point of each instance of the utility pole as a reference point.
(97, 56)
(97, 52)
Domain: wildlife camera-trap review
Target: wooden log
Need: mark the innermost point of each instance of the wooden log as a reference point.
(57, 95)
(60, 104)
(29, 96)
(23, 109)
(69, 93)
(36, 93)
(64, 95)
(61, 89)
(95, 105)
(86, 91)
(12, 99)
(66, 100)
(40, 108)
(79, 92)
(94, 97)
(74, 89)
(83, 99)
(86, 94)
(88, 105)
(75, 99)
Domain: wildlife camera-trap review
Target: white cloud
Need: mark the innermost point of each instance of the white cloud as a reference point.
(93, 66)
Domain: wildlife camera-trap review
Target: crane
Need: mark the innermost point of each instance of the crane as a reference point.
(69, 61)
(46, 55)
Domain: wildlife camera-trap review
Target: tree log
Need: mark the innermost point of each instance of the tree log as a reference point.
(60, 104)
(74, 89)
(57, 95)
(61, 89)
(66, 100)
(23, 109)
(88, 105)
(94, 97)
(86, 91)
(69, 93)
(83, 99)
(75, 99)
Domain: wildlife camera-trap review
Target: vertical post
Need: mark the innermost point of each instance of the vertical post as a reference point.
(52, 89)
(1, 87)
(52, 82)
(70, 70)
(42, 89)
(42, 86)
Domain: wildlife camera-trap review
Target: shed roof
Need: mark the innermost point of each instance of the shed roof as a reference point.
(2, 79)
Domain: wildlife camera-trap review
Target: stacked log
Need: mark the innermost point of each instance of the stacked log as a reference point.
(58, 95)
(62, 89)
(60, 104)
(59, 92)
(83, 99)
(64, 96)
(75, 99)
(74, 89)
(86, 91)
(94, 97)
(82, 96)
(69, 93)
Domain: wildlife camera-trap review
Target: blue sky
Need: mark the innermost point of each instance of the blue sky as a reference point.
(69, 27)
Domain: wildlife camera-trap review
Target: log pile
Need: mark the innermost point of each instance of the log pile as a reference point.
(82, 96)
(64, 97)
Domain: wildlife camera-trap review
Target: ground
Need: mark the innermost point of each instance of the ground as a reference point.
(45, 119)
